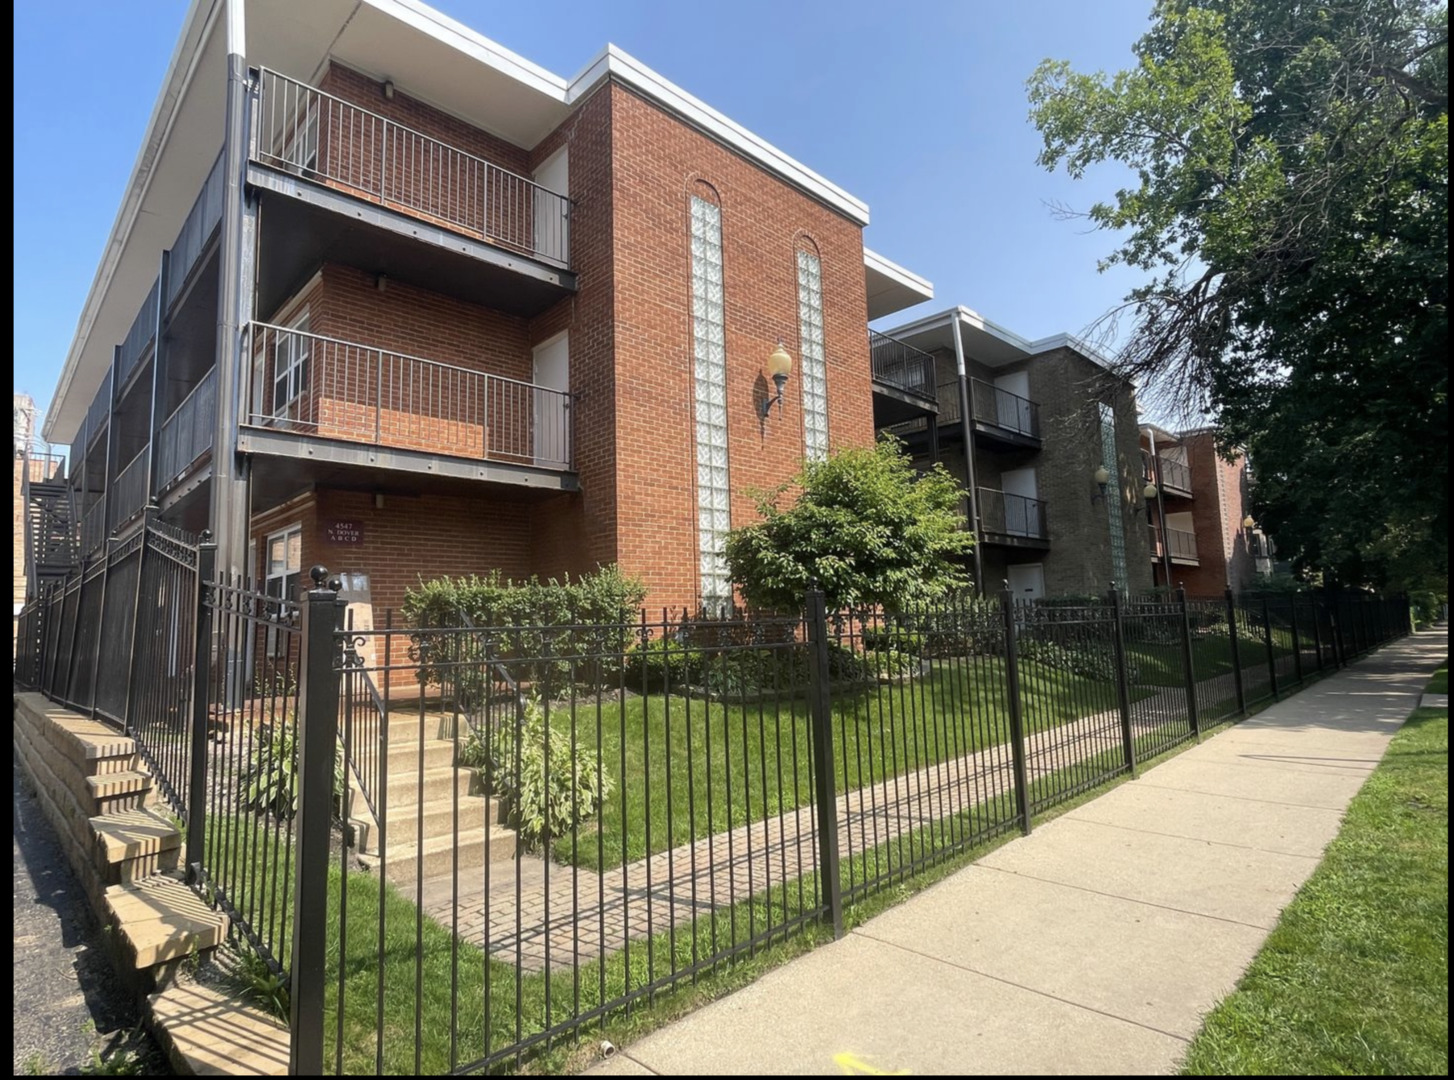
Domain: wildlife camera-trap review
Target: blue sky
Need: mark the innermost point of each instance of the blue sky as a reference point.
(916, 107)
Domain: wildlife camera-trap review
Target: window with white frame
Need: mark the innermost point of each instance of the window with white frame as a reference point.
(292, 350)
(709, 353)
(814, 365)
(282, 568)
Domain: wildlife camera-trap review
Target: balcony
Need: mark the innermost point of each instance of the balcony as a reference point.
(187, 434)
(1014, 520)
(98, 417)
(1000, 420)
(129, 491)
(353, 405)
(438, 215)
(1172, 476)
(1181, 546)
(903, 380)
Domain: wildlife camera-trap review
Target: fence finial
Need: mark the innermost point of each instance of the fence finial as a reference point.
(319, 574)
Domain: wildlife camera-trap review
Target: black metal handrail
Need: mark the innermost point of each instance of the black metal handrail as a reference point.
(1007, 514)
(901, 366)
(997, 407)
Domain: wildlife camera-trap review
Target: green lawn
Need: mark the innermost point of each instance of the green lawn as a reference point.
(1355, 978)
(1160, 665)
(703, 767)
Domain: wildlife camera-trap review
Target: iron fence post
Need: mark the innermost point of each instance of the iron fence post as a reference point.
(1187, 665)
(317, 736)
(1017, 726)
(1297, 648)
(1236, 644)
(1123, 689)
(823, 779)
(201, 662)
(1271, 654)
(1317, 631)
(148, 515)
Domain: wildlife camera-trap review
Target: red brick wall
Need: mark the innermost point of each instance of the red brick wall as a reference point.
(1219, 506)
(657, 162)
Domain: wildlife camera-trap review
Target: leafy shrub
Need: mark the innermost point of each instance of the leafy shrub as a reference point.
(897, 638)
(529, 627)
(1086, 661)
(269, 783)
(543, 804)
(664, 662)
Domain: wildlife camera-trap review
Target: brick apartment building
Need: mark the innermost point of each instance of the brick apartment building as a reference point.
(384, 296)
(1042, 418)
(1201, 534)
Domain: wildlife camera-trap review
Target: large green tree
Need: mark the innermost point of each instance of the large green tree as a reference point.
(863, 524)
(1290, 210)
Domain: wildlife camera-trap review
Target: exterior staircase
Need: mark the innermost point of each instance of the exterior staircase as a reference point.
(436, 816)
(51, 549)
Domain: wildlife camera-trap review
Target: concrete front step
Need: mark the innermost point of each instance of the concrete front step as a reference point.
(437, 817)
(135, 844)
(403, 758)
(406, 790)
(407, 862)
(161, 919)
(211, 1031)
(115, 792)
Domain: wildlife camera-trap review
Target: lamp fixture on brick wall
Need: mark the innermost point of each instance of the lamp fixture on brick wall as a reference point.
(1149, 493)
(1102, 477)
(779, 367)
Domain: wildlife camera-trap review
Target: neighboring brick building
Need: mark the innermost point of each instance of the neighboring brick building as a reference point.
(1205, 499)
(474, 316)
(1044, 416)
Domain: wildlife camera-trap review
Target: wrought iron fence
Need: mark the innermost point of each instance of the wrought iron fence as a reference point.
(456, 844)
(339, 389)
(321, 137)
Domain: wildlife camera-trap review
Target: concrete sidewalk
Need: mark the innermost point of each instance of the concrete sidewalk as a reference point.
(1095, 944)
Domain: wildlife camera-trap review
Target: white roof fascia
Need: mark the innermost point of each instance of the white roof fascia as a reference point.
(473, 44)
(196, 28)
(872, 260)
(1070, 341)
(613, 62)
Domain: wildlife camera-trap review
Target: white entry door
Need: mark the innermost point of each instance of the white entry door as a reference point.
(552, 218)
(551, 413)
(1027, 580)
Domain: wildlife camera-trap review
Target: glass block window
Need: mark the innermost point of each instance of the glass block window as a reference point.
(709, 365)
(1115, 523)
(810, 348)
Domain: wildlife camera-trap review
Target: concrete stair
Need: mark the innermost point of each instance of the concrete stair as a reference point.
(420, 839)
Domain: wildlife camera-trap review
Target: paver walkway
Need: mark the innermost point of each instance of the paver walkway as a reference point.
(1095, 944)
(541, 914)
(68, 998)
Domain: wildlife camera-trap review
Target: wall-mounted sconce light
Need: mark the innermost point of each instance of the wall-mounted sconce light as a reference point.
(1148, 493)
(389, 89)
(1102, 477)
(779, 367)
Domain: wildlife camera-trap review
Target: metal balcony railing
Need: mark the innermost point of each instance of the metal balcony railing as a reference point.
(98, 415)
(320, 137)
(1000, 408)
(343, 390)
(139, 337)
(188, 433)
(1182, 544)
(196, 230)
(1174, 475)
(93, 528)
(1006, 514)
(129, 491)
(901, 366)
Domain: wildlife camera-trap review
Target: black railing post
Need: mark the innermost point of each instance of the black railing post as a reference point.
(1017, 725)
(1317, 630)
(148, 515)
(1340, 646)
(1271, 653)
(201, 665)
(820, 703)
(1187, 665)
(1297, 648)
(317, 737)
(1236, 644)
(1123, 689)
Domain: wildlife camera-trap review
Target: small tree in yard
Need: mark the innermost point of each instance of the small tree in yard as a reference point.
(865, 525)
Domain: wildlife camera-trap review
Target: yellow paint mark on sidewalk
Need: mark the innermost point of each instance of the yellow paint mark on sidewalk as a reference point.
(852, 1063)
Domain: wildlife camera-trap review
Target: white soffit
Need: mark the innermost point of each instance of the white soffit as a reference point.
(892, 288)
